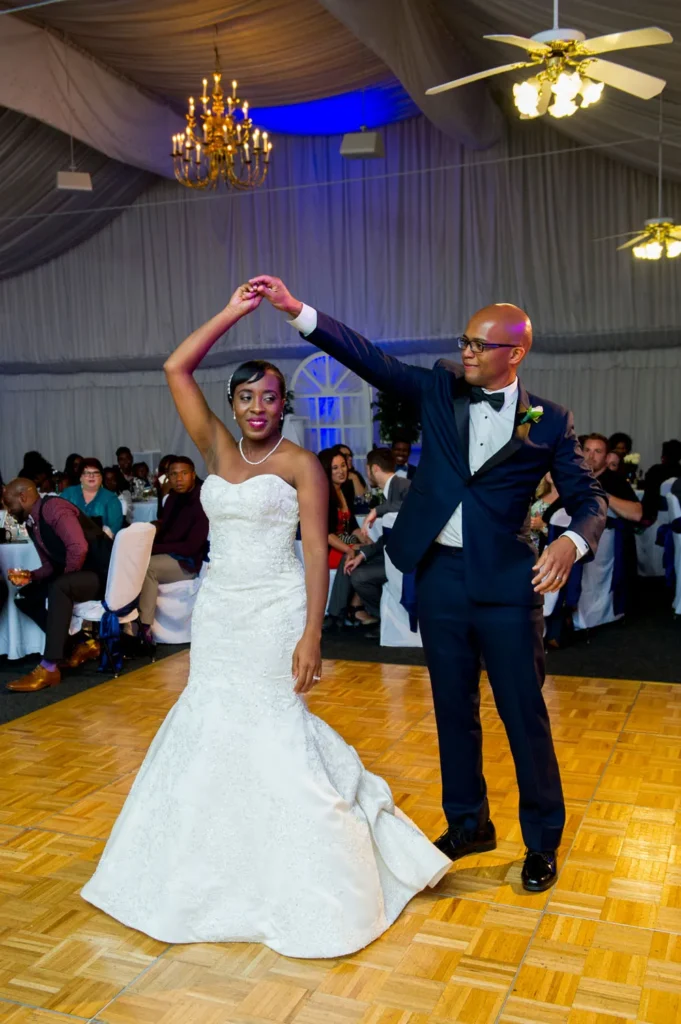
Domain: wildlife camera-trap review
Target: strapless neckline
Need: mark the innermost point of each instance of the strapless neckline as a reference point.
(258, 476)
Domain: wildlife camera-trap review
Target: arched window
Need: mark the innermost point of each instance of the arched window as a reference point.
(336, 405)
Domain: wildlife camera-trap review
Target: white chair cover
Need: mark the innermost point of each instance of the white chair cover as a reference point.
(128, 567)
(595, 607)
(674, 506)
(649, 557)
(562, 520)
(174, 608)
(395, 631)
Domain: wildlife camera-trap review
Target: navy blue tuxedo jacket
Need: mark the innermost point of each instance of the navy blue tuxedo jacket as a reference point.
(497, 549)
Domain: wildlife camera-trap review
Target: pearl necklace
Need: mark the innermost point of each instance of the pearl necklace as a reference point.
(260, 461)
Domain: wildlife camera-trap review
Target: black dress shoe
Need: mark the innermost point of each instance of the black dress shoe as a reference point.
(539, 870)
(459, 842)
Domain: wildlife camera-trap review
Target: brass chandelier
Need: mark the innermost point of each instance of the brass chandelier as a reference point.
(225, 147)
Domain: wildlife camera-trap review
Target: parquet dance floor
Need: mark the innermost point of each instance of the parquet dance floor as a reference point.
(604, 946)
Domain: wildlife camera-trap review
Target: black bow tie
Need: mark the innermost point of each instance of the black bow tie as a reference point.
(496, 399)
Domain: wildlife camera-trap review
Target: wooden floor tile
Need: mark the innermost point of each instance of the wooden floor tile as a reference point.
(600, 948)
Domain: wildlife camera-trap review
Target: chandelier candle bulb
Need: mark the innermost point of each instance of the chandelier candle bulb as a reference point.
(245, 111)
(233, 89)
(256, 140)
(269, 150)
(247, 155)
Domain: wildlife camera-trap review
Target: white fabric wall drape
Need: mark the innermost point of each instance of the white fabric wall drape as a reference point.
(405, 258)
(94, 413)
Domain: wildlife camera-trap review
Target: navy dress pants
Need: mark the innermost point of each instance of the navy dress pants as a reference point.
(457, 635)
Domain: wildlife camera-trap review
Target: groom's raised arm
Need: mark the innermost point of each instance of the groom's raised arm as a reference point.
(347, 346)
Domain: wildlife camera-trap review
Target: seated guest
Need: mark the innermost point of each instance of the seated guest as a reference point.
(39, 470)
(92, 498)
(546, 497)
(401, 449)
(668, 467)
(621, 498)
(162, 482)
(364, 571)
(381, 465)
(181, 543)
(72, 469)
(124, 460)
(115, 482)
(614, 462)
(60, 481)
(74, 554)
(354, 476)
(620, 443)
(141, 472)
(344, 532)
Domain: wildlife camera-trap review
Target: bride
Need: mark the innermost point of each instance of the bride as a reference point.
(250, 819)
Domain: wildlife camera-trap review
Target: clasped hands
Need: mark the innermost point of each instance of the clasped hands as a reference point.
(248, 296)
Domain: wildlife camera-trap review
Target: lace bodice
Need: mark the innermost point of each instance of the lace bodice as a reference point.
(252, 524)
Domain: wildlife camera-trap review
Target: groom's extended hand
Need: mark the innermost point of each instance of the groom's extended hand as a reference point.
(275, 291)
(553, 568)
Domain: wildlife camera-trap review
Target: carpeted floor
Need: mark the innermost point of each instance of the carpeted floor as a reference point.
(646, 646)
(16, 705)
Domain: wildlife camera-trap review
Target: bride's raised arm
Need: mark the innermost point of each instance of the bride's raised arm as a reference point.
(206, 430)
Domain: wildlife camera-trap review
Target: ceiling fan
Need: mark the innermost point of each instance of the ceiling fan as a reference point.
(660, 236)
(569, 69)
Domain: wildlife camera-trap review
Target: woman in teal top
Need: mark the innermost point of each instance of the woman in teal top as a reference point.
(93, 499)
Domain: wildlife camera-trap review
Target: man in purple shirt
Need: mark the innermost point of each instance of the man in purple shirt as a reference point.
(74, 554)
(181, 543)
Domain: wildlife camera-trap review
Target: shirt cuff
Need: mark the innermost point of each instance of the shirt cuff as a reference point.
(579, 543)
(306, 321)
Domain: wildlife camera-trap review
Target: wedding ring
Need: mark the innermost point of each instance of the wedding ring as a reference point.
(316, 678)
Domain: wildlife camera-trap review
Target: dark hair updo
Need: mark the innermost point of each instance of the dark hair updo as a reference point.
(252, 371)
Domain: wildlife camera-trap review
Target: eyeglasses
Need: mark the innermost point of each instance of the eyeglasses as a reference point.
(478, 346)
(92, 473)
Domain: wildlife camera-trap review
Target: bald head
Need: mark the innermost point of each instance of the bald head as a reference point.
(20, 497)
(509, 329)
(502, 323)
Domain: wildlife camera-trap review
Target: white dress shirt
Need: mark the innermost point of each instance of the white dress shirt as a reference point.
(489, 431)
(386, 487)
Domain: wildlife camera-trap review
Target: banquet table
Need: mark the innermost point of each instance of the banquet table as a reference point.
(145, 511)
(19, 635)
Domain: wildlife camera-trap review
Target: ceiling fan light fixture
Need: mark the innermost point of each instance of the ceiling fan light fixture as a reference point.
(673, 248)
(651, 250)
(526, 97)
(591, 91)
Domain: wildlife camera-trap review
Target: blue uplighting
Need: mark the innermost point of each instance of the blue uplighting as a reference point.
(374, 106)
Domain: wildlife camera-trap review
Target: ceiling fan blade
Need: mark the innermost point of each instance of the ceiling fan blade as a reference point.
(531, 45)
(475, 78)
(627, 40)
(634, 241)
(620, 234)
(626, 79)
(544, 98)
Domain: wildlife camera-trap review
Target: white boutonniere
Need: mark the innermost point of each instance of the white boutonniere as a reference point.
(533, 414)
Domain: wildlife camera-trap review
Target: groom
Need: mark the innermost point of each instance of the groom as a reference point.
(464, 527)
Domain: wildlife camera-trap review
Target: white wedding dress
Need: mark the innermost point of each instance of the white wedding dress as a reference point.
(251, 820)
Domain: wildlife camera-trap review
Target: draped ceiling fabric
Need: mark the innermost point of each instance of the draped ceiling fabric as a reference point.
(117, 73)
(404, 249)
(45, 222)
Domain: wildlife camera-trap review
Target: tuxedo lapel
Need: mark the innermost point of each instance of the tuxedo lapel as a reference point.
(462, 408)
(518, 438)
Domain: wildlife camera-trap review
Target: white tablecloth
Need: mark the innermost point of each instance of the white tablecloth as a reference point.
(19, 635)
(144, 511)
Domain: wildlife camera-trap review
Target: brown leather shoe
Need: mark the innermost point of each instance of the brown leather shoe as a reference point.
(89, 650)
(39, 679)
